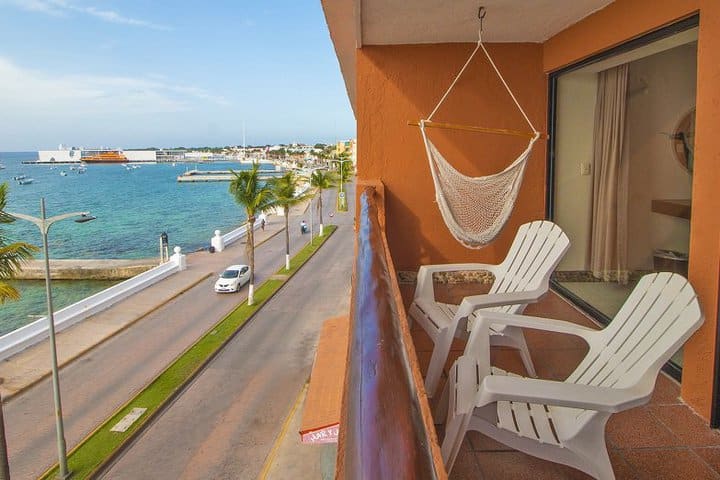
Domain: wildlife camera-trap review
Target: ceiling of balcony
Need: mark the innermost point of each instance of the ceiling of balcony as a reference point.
(354, 23)
(392, 22)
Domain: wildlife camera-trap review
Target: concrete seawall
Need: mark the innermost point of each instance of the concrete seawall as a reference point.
(103, 269)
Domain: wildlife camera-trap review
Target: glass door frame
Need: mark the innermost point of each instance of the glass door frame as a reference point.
(685, 24)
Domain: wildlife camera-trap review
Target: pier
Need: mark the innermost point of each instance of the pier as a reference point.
(220, 175)
(75, 269)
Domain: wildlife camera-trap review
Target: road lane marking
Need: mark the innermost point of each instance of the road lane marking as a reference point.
(127, 421)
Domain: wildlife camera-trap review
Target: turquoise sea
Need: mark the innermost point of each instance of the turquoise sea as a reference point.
(133, 207)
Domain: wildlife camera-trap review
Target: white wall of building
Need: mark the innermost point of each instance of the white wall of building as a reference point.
(65, 156)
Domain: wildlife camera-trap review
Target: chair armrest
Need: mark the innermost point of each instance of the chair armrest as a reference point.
(537, 323)
(561, 394)
(487, 300)
(424, 286)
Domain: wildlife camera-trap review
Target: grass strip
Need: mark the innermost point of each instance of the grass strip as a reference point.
(101, 446)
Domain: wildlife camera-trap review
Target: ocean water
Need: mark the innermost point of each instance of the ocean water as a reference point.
(32, 305)
(132, 208)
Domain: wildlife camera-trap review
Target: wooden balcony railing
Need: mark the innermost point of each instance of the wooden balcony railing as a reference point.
(386, 429)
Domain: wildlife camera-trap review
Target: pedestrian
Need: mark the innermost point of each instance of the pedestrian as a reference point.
(303, 227)
(263, 219)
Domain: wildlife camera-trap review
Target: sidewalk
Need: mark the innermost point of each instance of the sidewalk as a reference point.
(33, 364)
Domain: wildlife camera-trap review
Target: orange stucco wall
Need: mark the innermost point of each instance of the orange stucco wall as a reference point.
(618, 23)
(397, 84)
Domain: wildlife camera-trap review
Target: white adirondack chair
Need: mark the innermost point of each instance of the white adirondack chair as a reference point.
(522, 278)
(564, 422)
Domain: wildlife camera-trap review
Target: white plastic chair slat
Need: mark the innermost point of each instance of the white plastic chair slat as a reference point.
(515, 257)
(620, 329)
(541, 419)
(521, 410)
(447, 309)
(541, 256)
(669, 324)
(635, 328)
(506, 421)
(516, 267)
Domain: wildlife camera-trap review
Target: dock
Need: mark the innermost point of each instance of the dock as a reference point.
(80, 269)
(220, 175)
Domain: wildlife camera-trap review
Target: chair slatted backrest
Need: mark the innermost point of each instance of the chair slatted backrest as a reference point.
(533, 256)
(660, 314)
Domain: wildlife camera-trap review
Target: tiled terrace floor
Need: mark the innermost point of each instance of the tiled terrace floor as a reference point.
(664, 439)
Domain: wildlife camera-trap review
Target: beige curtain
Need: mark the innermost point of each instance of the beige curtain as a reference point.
(608, 250)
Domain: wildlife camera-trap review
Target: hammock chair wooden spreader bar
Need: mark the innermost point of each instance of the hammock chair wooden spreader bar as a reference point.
(475, 209)
(472, 128)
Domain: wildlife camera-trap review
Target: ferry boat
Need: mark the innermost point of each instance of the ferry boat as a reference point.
(103, 156)
(77, 155)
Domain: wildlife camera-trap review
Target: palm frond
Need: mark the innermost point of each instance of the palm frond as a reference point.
(8, 292)
(250, 191)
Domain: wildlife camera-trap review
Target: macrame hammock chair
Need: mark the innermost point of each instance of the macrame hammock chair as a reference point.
(475, 209)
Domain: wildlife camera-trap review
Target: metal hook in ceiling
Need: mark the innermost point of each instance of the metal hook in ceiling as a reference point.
(481, 15)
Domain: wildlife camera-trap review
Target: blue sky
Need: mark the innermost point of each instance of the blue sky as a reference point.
(131, 73)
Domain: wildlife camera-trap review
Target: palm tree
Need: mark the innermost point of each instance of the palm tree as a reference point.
(284, 190)
(254, 196)
(12, 255)
(322, 180)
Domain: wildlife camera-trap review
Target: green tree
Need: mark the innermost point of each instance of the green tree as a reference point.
(12, 255)
(285, 190)
(254, 195)
(322, 180)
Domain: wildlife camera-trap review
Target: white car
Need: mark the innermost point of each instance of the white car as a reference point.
(232, 279)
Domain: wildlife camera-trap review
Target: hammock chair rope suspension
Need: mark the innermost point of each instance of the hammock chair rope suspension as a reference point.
(475, 209)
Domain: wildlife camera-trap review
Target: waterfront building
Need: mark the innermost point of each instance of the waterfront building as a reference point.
(61, 155)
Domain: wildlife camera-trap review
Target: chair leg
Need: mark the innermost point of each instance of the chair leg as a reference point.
(437, 361)
(440, 409)
(514, 337)
(455, 427)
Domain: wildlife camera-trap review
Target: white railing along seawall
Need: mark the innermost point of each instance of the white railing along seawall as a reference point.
(24, 337)
(219, 242)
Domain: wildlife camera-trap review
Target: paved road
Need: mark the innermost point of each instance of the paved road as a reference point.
(225, 424)
(97, 383)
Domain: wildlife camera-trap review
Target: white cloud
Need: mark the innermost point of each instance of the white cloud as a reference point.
(60, 94)
(63, 8)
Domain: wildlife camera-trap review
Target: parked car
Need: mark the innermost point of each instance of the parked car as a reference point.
(232, 279)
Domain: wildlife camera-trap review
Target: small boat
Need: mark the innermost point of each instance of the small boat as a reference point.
(81, 170)
(2, 167)
(63, 174)
(19, 177)
(25, 180)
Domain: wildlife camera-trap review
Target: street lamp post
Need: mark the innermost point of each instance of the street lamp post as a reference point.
(342, 201)
(44, 224)
(312, 216)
